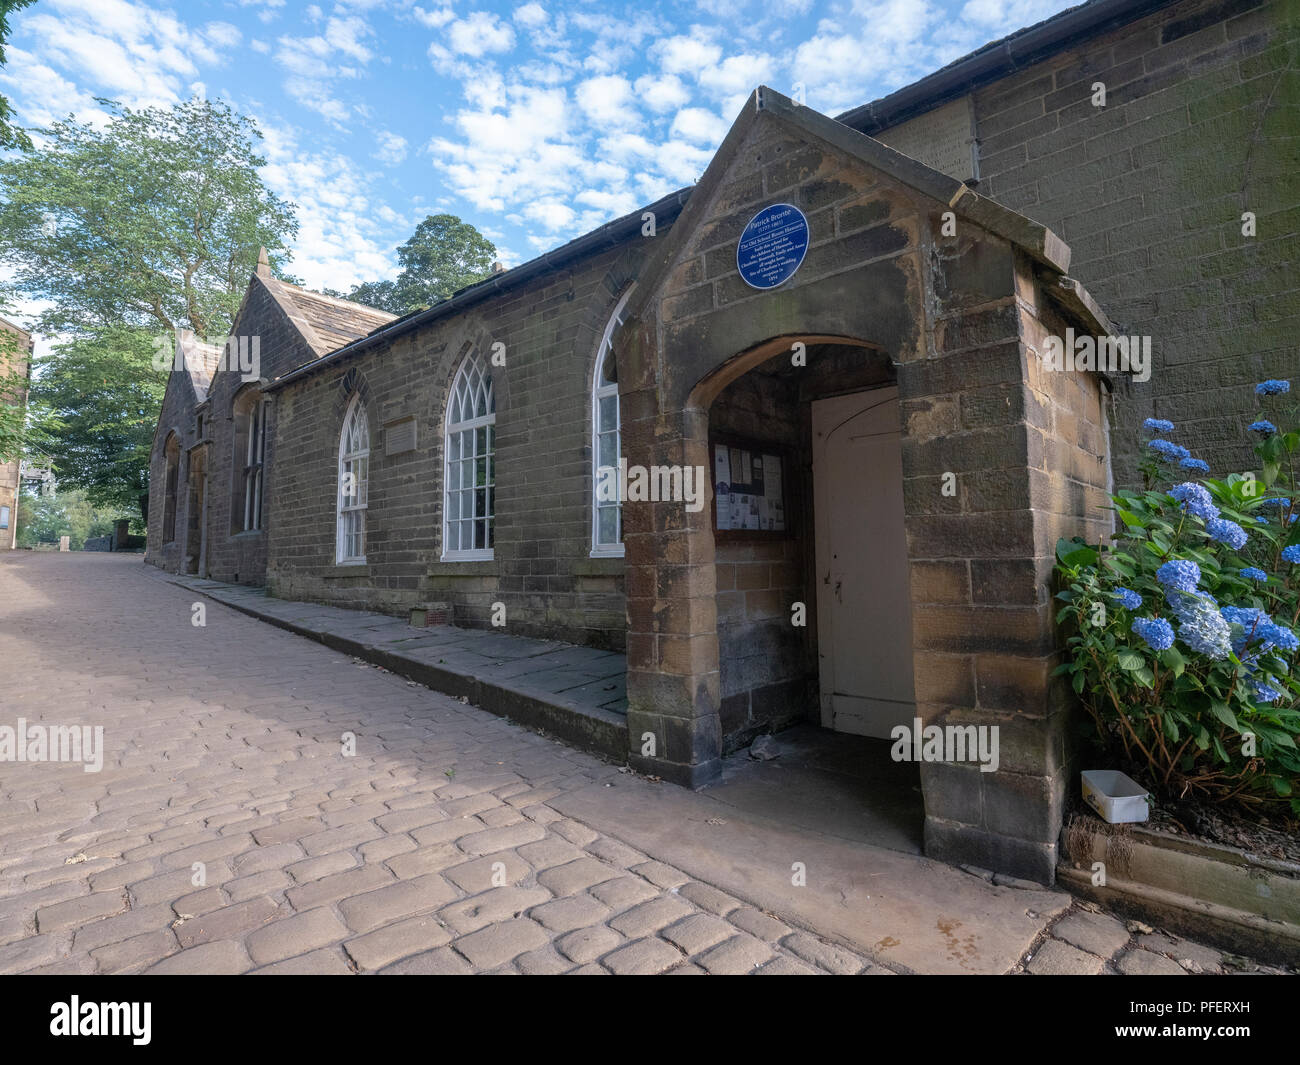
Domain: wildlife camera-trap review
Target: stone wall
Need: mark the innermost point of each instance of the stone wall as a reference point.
(1149, 190)
(542, 570)
(176, 416)
(233, 554)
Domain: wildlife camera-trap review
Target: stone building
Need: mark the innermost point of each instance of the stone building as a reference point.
(15, 360)
(844, 459)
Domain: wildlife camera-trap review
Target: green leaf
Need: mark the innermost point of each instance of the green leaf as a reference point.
(1224, 713)
(1173, 658)
(1130, 660)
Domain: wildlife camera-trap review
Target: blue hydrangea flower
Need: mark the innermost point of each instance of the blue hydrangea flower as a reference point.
(1262, 520)
(1291, 554)
(1157, 632)
(1226, 532)
(1272, 387)
(1250, 618)
(1263, 426)
(1158, 425)
(1246, 616)
(1195, 500)
(1180, 574)
(1264, 693)
(1195, 464)
(1203, 628)
(1127, 598)
(1252, 573)
(1275, 501)
(1280, 636)
(1168, 451)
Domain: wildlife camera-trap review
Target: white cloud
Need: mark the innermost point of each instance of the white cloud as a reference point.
(480, 34)
(41, 94)
(699, 126)
(340, 241)
(314, 63)
(223, 34)
(607, 101)
(392, 147)
(346, 34)
(737, 76)
(531, 15)
(663, 93)
(140, 55)
(688, 54)
(434, 19)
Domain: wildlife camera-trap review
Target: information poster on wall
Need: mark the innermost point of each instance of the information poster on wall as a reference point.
(747, 490)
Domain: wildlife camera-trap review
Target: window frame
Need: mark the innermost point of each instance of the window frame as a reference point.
(601, 391)
(345, 513)
(471, 362)
(254, 474)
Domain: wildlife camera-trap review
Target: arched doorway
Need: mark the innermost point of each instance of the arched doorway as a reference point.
(813, 618)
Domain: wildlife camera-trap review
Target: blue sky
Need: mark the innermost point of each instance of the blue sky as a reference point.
(536, 120)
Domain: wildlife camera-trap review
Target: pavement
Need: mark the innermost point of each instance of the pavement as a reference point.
(269, 804)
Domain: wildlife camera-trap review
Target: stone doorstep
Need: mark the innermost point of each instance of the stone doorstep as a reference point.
(1213, 893)
(575, 716)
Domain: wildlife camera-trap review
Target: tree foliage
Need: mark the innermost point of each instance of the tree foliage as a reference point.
(42, 519)
(144, 224)
(443, 255)
(11, 136)
(102, 393)
(154, 218)
(13, 390)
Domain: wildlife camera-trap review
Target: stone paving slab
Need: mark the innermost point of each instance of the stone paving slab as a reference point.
(579, 693)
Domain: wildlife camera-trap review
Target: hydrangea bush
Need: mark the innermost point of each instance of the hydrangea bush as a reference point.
(1181, 635)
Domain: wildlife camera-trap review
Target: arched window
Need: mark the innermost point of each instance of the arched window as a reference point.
(353, 486)
(172, 450)
(249, 411)
(606, 446)
(469, 477)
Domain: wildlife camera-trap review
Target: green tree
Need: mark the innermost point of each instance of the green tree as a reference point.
(13, 393)
(11, 136)
(102, 395)
(152, 219)
(147, 223)
(44, 518)
(443, 255)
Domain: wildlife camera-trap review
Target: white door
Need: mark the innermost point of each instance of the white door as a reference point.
(864, 611)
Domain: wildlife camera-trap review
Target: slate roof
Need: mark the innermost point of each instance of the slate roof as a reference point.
(326, 323)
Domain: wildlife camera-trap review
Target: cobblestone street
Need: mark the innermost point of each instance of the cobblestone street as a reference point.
(228, 832)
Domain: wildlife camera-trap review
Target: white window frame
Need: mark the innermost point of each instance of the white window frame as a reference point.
(472, 375)
(601, 391)
(350, 513)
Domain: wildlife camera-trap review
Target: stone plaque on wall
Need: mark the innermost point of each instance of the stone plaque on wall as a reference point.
(399, 437)
(943, 139)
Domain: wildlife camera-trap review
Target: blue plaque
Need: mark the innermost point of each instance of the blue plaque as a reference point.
(772, 246)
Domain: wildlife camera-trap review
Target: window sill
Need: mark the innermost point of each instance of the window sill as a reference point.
(464, 567)
(246, 534)
(359, 568)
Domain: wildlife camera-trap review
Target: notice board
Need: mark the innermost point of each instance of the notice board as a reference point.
(750, 488)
